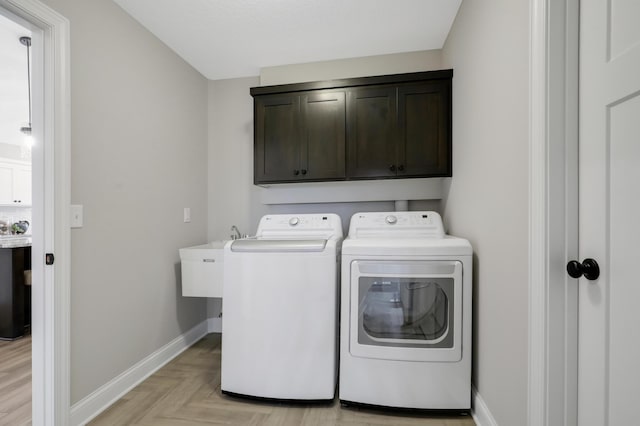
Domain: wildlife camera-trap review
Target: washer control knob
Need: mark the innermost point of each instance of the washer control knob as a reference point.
(391, 219)
(294, 221)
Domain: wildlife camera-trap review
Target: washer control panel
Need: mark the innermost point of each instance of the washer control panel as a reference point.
(396, 224)
(299, 226)
(391, 219)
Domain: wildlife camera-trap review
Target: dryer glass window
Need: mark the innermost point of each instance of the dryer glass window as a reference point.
(406, 311)
(404, 308)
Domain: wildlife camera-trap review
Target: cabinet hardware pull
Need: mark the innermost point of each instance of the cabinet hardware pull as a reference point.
(401, 168)
(304, 171)
(392, 168)
(296, 172)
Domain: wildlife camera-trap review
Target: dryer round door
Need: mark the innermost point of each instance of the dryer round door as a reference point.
(406, 310)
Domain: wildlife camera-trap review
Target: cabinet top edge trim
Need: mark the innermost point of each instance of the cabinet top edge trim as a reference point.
(353, 82)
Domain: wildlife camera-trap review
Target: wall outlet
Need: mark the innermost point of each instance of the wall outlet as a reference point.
(187, 214)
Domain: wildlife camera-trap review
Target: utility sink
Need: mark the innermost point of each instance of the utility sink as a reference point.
(203, 269)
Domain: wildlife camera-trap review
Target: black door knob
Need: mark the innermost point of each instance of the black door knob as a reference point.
(589, 268)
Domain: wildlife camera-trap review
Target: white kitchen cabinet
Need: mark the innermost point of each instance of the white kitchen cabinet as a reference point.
(15, 182)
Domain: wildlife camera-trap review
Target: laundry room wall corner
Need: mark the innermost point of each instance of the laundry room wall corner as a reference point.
(486, 201)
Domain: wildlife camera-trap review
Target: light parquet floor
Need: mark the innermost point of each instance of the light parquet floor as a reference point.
(187, 392)
(15, 381)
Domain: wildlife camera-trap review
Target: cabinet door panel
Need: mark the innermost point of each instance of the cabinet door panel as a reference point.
(277, 139)
(6, 184)
(324, 130)
(22, 184)
(424, 142)
(371, 119)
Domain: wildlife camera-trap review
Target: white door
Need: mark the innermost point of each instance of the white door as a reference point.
(609, 307)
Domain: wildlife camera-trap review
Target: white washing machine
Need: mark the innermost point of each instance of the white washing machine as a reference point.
(405, 328)
(280, 305)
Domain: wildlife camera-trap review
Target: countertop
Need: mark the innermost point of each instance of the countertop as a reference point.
(13, 241)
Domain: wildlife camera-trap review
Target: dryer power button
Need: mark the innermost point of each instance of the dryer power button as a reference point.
(391, 219)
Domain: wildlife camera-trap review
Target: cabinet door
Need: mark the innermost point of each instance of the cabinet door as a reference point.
(424, 129)
(277, 138)
(323, 141)
(6, 183)
(371, 120)
(22, 184)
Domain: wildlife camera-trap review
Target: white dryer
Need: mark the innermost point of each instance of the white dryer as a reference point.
(405, 328)
(280, 306)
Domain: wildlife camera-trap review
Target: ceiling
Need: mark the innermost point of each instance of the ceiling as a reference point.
(236, 38)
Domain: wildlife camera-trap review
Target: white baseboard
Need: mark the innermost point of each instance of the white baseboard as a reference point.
(93, 404)
(480, 412)
(214, 325)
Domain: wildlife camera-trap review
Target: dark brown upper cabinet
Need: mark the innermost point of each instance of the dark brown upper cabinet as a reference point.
(323, 136)
(299, 137)
(424, 130)
(396, 126)
(371, 118)
(277, 138)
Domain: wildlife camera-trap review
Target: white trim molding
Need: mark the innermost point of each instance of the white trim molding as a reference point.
(95, 403)
(537, 214)
(51, 126)
(480, 413)
(553, 144)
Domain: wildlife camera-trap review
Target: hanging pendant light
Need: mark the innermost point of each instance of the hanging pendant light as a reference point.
(27, 42)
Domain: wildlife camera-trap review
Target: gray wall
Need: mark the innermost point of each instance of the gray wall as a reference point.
(397, 63)
(230, 197)
(487, 200)
(138, 157)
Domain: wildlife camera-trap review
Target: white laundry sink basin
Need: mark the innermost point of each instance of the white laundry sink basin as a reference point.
(203, 269)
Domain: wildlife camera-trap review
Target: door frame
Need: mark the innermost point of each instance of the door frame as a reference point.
(51, 200)
(553, 211)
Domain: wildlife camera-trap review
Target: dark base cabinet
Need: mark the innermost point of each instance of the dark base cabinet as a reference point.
(14, 305)
(384, 127)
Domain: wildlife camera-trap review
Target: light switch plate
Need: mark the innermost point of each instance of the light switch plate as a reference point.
(77, 218)
(187, 214)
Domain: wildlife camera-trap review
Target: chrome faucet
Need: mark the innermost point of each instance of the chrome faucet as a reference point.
(237, 233)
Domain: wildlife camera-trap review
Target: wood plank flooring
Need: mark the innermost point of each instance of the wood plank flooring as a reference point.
(15, 381)
(187, 392)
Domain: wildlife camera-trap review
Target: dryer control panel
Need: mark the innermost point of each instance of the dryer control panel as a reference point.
(423, 224)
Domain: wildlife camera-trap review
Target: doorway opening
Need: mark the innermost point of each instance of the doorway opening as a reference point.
(50, 158)
(15, 220)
